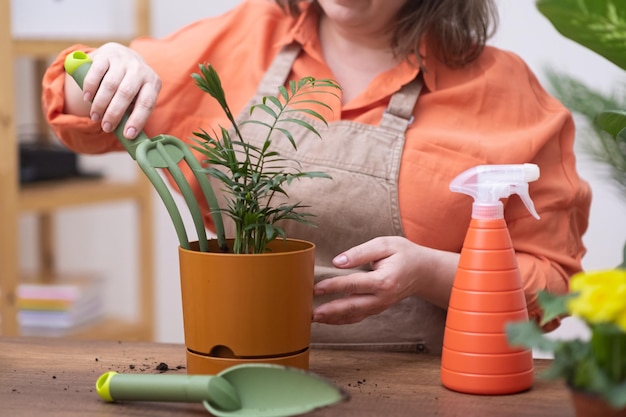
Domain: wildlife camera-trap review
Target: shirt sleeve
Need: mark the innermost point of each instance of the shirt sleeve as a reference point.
(550, 250)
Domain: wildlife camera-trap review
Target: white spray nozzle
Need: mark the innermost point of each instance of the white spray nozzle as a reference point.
(487, 184)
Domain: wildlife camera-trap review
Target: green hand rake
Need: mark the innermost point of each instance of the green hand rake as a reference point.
(164, 152)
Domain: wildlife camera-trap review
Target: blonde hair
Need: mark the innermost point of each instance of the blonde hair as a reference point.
(456, 31)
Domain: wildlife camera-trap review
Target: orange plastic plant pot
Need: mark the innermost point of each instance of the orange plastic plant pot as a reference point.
(210, 365)
(248, 306)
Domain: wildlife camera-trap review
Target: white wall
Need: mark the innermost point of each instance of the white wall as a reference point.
(99, 238)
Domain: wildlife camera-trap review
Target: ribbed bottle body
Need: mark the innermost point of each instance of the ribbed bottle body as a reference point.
(486, 295)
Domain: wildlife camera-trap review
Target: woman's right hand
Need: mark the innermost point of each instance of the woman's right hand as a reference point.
(118, 79)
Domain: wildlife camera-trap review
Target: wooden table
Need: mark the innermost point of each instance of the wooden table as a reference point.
(56, 377)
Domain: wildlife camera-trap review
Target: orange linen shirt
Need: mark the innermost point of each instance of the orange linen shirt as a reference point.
(491, 112)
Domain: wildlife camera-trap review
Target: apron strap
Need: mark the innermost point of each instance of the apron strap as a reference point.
(399, 113)
(279, 70)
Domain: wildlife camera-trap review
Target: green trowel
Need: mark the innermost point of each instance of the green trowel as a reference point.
(252, 390)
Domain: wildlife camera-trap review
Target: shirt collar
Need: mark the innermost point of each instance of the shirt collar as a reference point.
(304, 31)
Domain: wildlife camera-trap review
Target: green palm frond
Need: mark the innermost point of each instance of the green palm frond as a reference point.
(601, 139)
(251, 176)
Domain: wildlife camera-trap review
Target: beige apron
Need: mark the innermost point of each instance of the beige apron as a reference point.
(358, 204)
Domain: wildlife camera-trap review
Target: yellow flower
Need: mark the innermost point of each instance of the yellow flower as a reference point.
(601, 297)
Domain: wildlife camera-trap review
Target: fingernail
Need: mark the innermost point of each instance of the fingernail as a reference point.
(318, 291)
(95, 117)
(340, 260)
(106, 126)
(87, 97)
(131, 132)
(318, 317)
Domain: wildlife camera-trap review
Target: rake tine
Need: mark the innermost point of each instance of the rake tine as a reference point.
(163, 192)
(209, 195)
(205, 186)
(158, 143)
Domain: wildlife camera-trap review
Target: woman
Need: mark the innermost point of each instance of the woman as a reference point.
(423, 100)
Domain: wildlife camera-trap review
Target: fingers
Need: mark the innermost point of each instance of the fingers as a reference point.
(117, 81)
(347, 310)
(394, 264)
(399, 269)
(107, 106)
(114, 97)
(91, 83)
(366, 253)
(365, 295)
(143, 107)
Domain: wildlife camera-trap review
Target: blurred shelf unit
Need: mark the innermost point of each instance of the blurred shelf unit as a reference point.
(46, 197)
(44, 48)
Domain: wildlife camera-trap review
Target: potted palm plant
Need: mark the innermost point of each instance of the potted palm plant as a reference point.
(246, 297)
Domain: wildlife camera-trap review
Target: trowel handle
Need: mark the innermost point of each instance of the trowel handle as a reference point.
(77, 65)
(112, 386)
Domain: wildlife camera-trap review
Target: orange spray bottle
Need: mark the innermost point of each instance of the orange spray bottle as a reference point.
(487, 290)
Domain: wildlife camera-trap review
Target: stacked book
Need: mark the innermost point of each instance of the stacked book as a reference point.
(58, 307)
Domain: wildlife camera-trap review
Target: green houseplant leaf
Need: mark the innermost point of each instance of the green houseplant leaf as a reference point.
(614, 123)
(554, 306)
(529, 335)
(597, 25)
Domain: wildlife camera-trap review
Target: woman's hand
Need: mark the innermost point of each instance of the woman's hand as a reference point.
(400, 269)
(118, 79)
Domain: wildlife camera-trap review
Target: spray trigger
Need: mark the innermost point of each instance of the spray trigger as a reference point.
(522, 191)
(487, 184)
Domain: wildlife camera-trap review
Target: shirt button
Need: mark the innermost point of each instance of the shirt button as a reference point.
(420, 348)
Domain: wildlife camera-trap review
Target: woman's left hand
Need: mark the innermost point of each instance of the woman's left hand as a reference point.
(399, 269)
